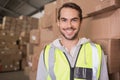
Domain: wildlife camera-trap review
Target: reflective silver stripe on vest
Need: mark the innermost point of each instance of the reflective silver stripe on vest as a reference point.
(95, 60)
(51, 62)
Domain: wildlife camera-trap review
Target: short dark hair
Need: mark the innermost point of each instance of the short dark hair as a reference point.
(73, 6)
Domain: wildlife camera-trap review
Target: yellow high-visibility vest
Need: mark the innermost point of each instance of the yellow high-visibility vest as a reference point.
(86, 66)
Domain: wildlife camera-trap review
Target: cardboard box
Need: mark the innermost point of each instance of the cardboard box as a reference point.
(13, 25)
(6, 23)
(28, 23)
(49, 8)
(105, 6)
(16, 55)
(19, 25)
(34, 23)
(2, 43)
(55, 29)
(85, 27)
(11, 39)
(35, 36)
(26, 38)
(9, 23)
(36, 54)
(24, 63)
(50, 14)
(27, 70)
(111, 48)
(29, 49)
(114, 76)
(3, 33)
(35, 59)
(10, 49)
(32, 75)
(105, 26)
(47, 35)
(86, 8)
(94, 7)
(10, 65)
(42, 22)
(0, 27)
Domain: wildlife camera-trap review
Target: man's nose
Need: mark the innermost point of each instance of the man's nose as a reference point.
(69, 24)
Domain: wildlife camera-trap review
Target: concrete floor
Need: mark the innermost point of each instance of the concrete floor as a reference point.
(18, 75)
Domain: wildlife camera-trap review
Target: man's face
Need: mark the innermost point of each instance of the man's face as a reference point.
(69, 23)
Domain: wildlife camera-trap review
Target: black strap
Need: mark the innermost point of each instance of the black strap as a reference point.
(71, 73)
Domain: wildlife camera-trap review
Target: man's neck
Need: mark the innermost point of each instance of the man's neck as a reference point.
(69, 44)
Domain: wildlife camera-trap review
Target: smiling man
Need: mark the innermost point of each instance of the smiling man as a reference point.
(69, 57)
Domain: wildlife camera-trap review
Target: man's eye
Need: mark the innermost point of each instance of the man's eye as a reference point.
(63, 20)
(75, 20)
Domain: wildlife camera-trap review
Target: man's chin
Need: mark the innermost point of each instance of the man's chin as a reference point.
(70, 38)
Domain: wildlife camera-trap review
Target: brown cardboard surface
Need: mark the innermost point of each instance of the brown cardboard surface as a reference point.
(49, 7)
(96, 6)
(103, 26)
(0, 26)
(36, 54)
(10, 65)
(12, 55)
(111, 48)
(29, 49)
(114, 76)
(34, 23)
(105, 6)
(32, 75)
(27, 71)
(6, 23)
(42, 22)
(35, 36)
(87, 8)
(47, 35)
(85, 27)
(50, 14)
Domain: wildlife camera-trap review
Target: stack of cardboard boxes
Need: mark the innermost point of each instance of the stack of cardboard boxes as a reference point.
(105, 31)
(102, 26)
(10, 55)
(14, 36)
(42, 36)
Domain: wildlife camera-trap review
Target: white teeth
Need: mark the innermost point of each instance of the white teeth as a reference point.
(69, 31)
